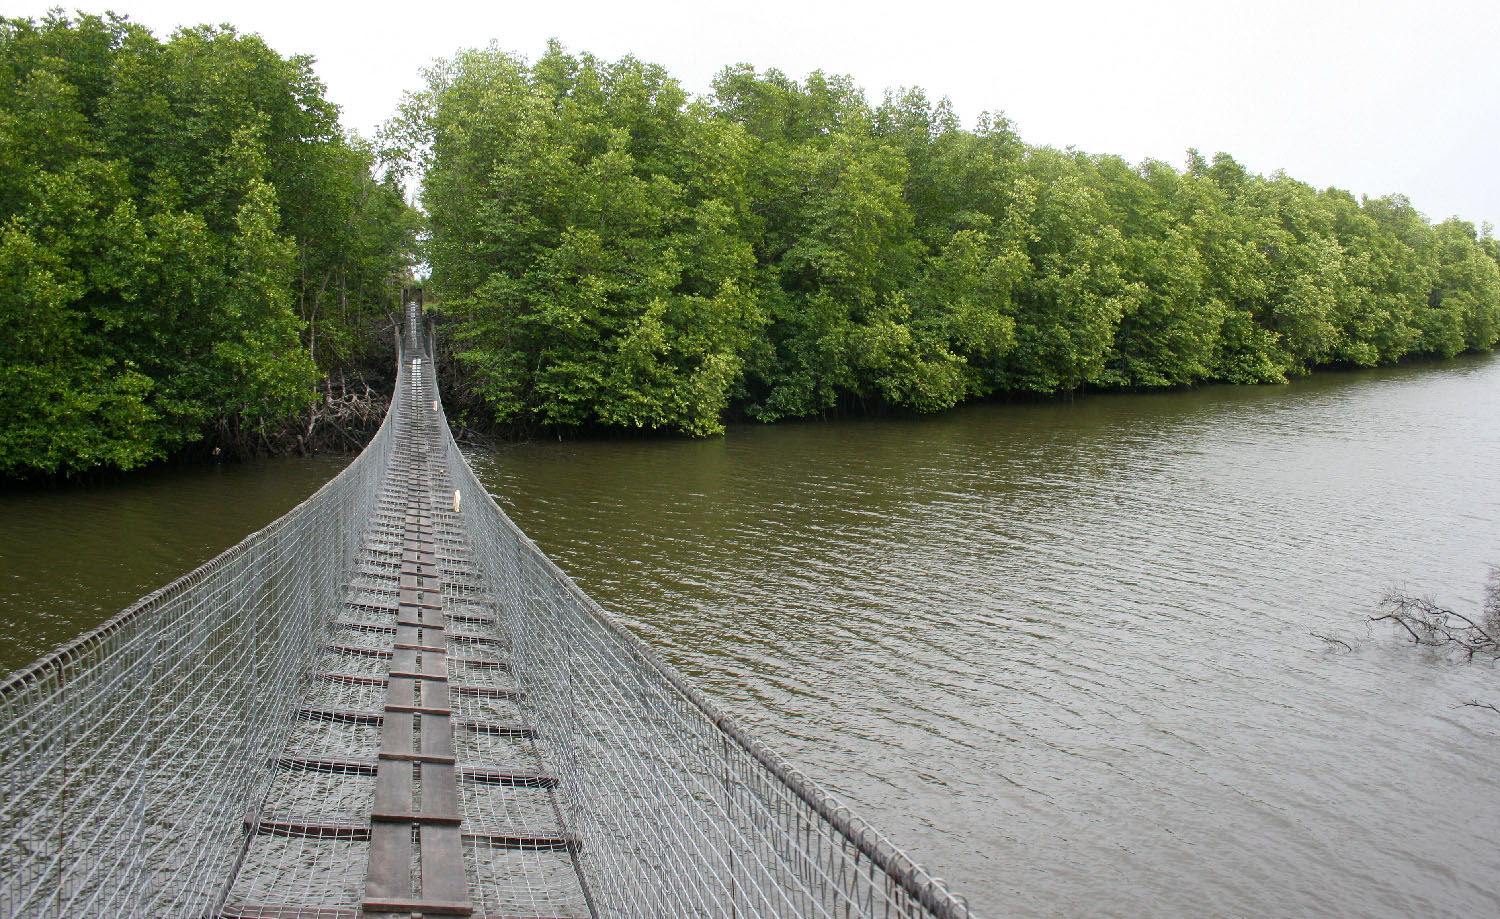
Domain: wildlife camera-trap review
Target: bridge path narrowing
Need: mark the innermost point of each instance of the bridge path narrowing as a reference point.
(390, 702)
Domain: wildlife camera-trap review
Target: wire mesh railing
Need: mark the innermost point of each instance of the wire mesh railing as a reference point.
(133, 759)
(674, 809)
(138, 760)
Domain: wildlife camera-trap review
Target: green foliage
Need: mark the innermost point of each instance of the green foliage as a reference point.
(585, 237)
(615, 254)
(165, 210)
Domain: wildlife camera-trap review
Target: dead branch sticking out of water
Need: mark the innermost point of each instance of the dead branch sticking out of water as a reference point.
(1332, 641)
(1427, 623)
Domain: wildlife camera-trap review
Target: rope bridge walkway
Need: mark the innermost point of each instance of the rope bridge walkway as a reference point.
(390, 702)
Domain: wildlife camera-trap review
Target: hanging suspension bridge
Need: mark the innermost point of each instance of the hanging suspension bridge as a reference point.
(390, 702)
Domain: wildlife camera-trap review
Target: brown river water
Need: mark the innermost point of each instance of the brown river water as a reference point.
(1059, 652)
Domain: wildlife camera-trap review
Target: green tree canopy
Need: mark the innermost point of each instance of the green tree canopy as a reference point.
(172, 215)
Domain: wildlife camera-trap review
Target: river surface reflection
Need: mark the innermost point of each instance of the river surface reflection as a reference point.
(1062, 652)
(72, 557)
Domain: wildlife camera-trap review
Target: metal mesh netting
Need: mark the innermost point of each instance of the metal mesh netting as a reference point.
(212, 750)
(134, 757)
(673, 809)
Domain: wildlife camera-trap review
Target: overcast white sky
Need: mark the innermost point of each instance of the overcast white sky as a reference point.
(1372, 96)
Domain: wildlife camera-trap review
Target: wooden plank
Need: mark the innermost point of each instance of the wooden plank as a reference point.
(410, 817)
(471, 619)
(437, 735)
(389, 875)
(425, 617)
(443, 865)
(418, 709)
(348, 715)
(309, 829)
(419, 675)
(439, 789)
(436, 695)
(474, 663)
(429, 599)
(393, 786)
(471, 638)
(402, 692)
(485, 692)
(434, 649)
(357, 651)
(396, 734)
(495, 728)
(321, 764)
(403, 660)
(419, 582)
(481, 776)
(521, 841)
(435, 665)
(259, 911)
(417, 757)
(425, 907)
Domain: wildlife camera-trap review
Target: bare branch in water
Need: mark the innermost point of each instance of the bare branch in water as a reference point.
(1331, 640)
(1430, 624)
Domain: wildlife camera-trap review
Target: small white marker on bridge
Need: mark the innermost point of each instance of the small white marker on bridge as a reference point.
(434, 405)
(457, 499)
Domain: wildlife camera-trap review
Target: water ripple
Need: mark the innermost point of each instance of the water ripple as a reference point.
(1061, 652)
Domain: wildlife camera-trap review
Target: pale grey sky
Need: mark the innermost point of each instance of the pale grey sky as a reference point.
(1372, 96)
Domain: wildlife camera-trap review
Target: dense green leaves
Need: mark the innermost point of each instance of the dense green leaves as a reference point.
(173, 219)
(615, 254)
(187, 240)
(586, 236)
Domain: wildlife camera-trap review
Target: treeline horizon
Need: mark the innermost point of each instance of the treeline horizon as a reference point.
(613, 253)
(190, 242)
